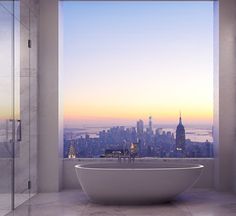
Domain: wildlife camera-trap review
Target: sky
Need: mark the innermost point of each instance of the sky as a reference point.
(124, 61)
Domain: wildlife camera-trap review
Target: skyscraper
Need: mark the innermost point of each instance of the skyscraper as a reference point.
(180, 137)
(150, 125)
(72, 153)
(140, 127)
(140, 133)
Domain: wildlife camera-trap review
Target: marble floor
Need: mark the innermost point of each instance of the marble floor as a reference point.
(5, 201)
(74, 203)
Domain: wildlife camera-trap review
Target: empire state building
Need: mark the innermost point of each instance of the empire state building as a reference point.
(180, 137)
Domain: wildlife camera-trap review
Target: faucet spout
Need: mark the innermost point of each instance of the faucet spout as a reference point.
(130, 156)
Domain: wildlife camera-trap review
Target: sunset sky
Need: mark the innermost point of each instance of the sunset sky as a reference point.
(124, 61)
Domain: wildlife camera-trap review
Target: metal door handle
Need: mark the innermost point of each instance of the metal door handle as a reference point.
(18, 131)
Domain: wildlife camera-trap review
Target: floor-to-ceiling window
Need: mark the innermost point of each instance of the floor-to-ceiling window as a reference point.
(138, 75)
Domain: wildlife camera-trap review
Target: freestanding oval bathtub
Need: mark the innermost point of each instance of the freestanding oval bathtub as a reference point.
(124, 183)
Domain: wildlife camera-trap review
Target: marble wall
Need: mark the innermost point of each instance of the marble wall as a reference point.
(50, 133)
(225, 95)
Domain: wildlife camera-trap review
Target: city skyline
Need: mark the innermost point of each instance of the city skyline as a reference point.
(146, 140)
(193, 132)
(122, 63)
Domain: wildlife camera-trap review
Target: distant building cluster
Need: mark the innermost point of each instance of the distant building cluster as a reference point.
(149, 143)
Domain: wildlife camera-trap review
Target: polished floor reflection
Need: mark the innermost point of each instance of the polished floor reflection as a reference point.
(74, 203)
(5, 201)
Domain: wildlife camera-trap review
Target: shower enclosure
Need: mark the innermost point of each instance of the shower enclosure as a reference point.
(18, 102)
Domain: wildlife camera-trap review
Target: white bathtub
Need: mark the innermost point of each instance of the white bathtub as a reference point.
(136, 182)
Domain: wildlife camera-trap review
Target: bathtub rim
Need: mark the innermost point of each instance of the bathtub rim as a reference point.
(189, 167)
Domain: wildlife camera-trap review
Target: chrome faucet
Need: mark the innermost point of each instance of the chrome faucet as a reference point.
(130, 156)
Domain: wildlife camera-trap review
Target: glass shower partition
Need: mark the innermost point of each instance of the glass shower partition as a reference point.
(18, 104)
(21, 102)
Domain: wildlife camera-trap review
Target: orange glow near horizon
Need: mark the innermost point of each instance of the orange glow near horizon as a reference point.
(132, 114)
(109, 106)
